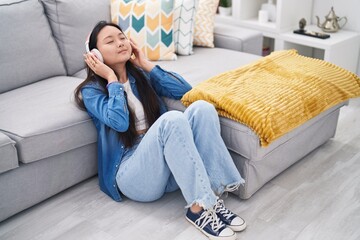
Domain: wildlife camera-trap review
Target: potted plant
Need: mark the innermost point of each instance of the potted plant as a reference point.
(225, 7)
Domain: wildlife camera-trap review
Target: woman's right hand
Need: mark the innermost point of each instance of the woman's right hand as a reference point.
(100, 68)
(139, 59)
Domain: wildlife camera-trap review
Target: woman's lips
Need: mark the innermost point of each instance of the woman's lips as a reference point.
(122, 51)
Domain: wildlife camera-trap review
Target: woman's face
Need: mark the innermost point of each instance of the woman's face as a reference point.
(113, 46)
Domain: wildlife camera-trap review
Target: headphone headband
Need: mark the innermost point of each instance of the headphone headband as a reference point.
(87, 48)
(94, 51)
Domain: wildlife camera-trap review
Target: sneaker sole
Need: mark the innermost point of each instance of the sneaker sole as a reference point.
(238, 228)
(232, 237)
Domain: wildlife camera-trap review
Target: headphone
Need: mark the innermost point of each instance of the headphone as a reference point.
(94, 50)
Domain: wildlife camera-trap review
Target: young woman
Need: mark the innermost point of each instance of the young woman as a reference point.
(144, 150)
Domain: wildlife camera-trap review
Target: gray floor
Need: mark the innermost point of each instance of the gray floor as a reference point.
(317, 198)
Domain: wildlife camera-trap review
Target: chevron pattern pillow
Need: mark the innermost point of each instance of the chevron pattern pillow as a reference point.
(149, 23)
(184, 22)
(204, 23)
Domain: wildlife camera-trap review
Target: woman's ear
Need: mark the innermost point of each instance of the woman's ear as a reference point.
(97, 54)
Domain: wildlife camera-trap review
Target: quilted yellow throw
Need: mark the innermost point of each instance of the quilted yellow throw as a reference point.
(277, 93)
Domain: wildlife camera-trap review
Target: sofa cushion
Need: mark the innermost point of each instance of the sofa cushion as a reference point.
(71, 22)
(206, 63)
(28, 51)
(43, 119)
(8, 155)
(238, 39)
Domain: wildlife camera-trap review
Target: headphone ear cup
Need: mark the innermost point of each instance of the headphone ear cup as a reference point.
(97, 54)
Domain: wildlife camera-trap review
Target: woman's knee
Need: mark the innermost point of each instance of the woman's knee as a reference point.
(202, 107)
(147, 187)
(174, 118)
(202, 110)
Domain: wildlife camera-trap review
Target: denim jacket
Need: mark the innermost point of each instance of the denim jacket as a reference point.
(110, 115)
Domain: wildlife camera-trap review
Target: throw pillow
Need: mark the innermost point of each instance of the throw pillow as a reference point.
(149, 23)
(204, 23)
(184, 22)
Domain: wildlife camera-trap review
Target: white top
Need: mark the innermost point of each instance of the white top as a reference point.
(136, 107)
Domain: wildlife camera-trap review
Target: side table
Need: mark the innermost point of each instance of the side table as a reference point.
(342, 48)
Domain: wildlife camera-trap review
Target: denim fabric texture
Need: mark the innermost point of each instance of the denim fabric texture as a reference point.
(180, 150)
(111, 115)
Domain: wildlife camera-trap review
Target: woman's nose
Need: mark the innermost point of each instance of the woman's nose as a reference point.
(120, 43)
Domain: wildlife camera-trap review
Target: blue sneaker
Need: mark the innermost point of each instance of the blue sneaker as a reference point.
(232, 220)
(209, 224)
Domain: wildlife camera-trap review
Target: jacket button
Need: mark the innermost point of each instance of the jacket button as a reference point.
(116, 165)
(122, 146)
(114, 185)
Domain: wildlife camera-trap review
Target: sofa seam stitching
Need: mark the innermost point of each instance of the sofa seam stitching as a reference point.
(70, 125)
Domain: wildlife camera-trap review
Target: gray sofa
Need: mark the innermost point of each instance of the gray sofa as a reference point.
(47, 144)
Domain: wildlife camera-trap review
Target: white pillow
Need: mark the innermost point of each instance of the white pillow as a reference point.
(184, 22)
(204, 23)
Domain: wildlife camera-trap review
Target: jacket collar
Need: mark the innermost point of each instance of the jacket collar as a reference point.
(131, 78)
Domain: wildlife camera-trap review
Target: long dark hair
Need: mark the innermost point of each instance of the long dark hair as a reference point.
(148, 97)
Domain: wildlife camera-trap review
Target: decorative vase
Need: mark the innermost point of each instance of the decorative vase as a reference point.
(225, 11)
(270, 7)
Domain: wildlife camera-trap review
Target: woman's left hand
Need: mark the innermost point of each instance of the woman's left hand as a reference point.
(139, 59)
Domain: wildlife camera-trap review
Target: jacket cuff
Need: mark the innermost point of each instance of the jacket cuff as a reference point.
(115, 88)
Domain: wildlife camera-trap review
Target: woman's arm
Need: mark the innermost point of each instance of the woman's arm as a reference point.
(110, 110)
(166, 84)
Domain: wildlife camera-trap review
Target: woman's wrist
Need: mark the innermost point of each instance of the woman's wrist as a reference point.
(111, 79)
(110, 76)
(147, 66)
(109, 83)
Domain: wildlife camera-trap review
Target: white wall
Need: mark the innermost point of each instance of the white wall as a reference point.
(348, 8)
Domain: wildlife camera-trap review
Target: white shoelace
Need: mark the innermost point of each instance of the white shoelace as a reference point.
(232, 188)
(220, 208)
(209, 216)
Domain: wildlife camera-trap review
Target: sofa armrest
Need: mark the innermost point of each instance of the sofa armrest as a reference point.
(238, 38)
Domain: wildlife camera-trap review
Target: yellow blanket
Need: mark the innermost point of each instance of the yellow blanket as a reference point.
(277, 93)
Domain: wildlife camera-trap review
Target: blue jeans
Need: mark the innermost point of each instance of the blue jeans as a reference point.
(180, 150)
